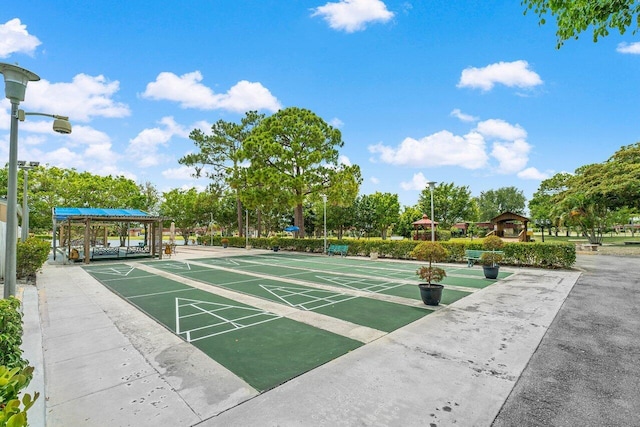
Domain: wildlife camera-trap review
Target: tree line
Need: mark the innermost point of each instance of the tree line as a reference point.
(275, 171)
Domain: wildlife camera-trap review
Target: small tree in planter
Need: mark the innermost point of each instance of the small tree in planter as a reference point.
(430, 292)
(225, 242)
(490, 260)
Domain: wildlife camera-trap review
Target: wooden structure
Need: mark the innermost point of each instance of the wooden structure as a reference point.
(500, 223)
(88, 217)
(423, 224)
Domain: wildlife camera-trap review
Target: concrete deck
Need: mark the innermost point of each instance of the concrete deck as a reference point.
(107, 363)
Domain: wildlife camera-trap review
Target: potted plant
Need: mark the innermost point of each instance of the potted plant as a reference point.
(225, 242)
(490, 260)
(430, 292)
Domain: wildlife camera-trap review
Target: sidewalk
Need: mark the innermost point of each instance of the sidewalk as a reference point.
(106, 363)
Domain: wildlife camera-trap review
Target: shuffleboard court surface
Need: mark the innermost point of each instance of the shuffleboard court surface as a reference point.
(260, 347)
(381, 315)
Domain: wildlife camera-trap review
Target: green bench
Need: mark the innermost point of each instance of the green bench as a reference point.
(473, 255)
(338, 249)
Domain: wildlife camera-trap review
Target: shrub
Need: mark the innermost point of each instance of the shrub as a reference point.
(11, 334)
(431, 252)
(15, 375)
(31, 256)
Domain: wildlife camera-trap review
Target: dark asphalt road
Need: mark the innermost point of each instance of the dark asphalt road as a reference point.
(586, 371)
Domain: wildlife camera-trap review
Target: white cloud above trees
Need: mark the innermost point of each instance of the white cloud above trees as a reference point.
(189, 92)
(510, 74)
(353, 15)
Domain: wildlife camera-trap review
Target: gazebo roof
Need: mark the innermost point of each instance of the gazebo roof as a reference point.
(424, 221)
(509, 216)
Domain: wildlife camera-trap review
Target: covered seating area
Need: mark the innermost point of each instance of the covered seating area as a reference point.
(95, 224)
(423, 228)
(511, 225)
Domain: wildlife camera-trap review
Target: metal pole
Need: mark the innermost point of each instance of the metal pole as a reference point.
(12, 209)
(433, 231)
(324, 198)
(25, 206)
(246, 229)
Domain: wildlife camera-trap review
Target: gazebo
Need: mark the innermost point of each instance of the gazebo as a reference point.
(424, 224)
(506, 220)
(88, 217)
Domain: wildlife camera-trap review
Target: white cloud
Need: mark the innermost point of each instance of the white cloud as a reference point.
(183, 173)
(82, 99)
(418, 182)
(463, 117)
(190, 93)
(14, 38)
(631, 48)
(512, 156)
(143, 149)
(374, 180)
(336, 123)
(510, 74)
(534, 174)
(353, 15)
(440, 149)
(344, 160)
(499, 129)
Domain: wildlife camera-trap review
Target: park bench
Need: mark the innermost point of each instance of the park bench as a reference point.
(338, 249)
(473, 255)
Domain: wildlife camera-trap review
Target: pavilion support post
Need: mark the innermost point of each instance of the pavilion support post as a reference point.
(87, 240)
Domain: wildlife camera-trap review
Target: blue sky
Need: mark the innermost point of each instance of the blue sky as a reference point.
(473, 93)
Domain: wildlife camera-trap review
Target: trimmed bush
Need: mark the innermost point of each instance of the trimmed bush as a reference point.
(545, 255)
(31, 256)
(11, 334)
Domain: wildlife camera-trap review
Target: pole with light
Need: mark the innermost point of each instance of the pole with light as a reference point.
(432, 185)
(324, 199)
(15, 86)
(26, 167)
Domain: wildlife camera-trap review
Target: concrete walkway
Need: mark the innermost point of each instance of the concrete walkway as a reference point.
(107, 363)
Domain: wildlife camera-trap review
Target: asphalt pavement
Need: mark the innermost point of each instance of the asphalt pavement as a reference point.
(586, 371)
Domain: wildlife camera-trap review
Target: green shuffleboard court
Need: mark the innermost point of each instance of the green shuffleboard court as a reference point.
(381, 315)
(372, 280)
(261, 347)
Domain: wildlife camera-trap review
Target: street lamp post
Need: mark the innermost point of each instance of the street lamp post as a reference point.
(432, 185)
(324, 199)
(15, 86)
(26, 167)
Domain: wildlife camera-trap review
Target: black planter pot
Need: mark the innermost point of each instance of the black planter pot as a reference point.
(491, 272)
(431, 294)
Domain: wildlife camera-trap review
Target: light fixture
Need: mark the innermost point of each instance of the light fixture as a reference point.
(15, 87)
(26, 167)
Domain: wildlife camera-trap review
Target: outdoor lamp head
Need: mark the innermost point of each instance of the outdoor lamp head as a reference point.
(62, 126)
(15, 81)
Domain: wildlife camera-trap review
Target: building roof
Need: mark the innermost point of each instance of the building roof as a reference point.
(63, 214)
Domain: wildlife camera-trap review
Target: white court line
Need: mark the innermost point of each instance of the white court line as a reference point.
(234, 323)
(289, 292)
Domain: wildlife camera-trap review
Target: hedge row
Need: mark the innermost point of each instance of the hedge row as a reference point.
(11, 334)
(15, 374)
(545, 255)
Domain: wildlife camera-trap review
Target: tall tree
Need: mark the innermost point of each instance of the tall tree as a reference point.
(408, 216)
(452, 204)
(542, 206)
(293, 155)
(575, 16)
(219, 157)
(492, 203)
(187, 208)
(387, 210)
